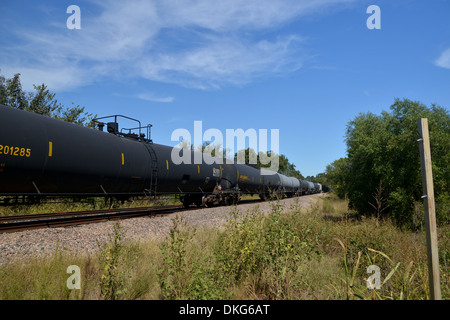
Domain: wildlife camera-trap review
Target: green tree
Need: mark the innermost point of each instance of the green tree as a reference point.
(209, 148)
(336, 174)
(284, 165)
(384, 161)
(42, 101)
(323, 179)
(288, 168)
(11, 93)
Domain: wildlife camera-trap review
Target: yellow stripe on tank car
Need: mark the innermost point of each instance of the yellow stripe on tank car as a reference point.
(123, 159)
(167, 164)
(50, 148)
(198, 169)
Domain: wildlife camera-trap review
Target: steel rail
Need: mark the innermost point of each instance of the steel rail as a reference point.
(20, 223)
(54, 220)
(73, 213)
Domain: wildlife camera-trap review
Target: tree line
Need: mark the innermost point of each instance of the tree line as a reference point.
(249, 154)
(42, 102)
(381, 174)
(284, 165)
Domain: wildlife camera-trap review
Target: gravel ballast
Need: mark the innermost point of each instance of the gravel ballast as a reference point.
(85, 238)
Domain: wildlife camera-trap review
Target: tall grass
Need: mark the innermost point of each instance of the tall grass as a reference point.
(322, 252)
(69, 205)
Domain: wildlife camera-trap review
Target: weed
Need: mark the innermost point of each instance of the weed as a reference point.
(112, 280)
(399, 284)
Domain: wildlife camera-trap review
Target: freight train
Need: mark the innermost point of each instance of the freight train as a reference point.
(45, 157)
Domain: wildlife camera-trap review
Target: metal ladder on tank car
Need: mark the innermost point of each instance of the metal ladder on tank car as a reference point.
(113, 127)
(151, 191)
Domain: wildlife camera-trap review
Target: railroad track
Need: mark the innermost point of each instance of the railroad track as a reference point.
(49, 220)
(54, 220)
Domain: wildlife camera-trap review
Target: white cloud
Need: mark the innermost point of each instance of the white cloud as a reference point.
(444, 60)
(237, 14)
(224, 61)
(149, 96)
(192, 43)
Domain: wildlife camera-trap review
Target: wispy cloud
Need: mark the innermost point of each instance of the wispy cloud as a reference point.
(192, 43)
(173, 120)
(224, 61)
(444, 60)
(148, 96)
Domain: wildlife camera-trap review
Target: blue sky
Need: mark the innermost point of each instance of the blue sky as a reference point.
(303, 67)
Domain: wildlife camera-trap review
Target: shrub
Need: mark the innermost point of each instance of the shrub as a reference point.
(112, 280)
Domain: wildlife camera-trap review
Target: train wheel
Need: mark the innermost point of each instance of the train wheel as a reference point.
(229, 200)
(186, 200)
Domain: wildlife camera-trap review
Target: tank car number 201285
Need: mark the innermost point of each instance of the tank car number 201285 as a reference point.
(45, 157)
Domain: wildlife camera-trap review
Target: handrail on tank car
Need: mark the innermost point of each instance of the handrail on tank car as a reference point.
(145, 137)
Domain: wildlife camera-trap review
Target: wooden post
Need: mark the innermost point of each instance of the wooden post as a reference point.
(430, 215)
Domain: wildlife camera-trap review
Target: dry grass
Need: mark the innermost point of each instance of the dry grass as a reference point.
(317, 253)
